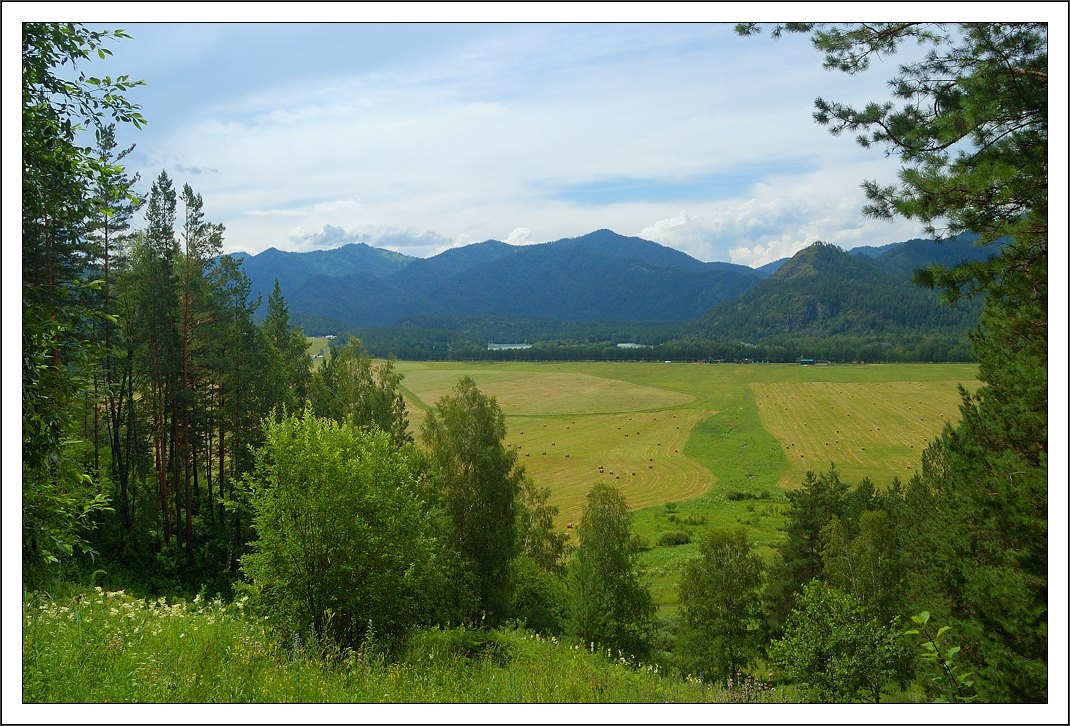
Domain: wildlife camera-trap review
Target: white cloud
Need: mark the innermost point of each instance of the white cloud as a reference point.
(474, 133)
(779, 216)
(520, 236)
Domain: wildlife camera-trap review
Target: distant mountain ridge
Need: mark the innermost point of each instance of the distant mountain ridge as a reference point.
(825, 291)
(601, 276)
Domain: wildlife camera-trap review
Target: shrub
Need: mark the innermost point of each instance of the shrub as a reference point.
(672, 539)
(345, 543)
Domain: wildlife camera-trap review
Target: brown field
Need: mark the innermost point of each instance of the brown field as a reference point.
(574, 424)
(868, 429)
(572, 430)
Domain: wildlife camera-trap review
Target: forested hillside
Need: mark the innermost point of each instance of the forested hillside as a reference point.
(825, 293)
(601, 276)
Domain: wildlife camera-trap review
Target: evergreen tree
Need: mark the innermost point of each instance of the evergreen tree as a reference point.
(970, 123)
(291, 347)
(112, 237)
(155, 335)
(821, 500)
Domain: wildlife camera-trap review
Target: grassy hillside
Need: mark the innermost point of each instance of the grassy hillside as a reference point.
(156, 652)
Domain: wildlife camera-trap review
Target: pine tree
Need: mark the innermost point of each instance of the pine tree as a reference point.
(969, 121)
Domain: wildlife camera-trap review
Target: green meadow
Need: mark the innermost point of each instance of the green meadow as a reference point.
(693, 446)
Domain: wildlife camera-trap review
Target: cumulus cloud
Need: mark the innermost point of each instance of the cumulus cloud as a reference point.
(779, 216)
(520, 236)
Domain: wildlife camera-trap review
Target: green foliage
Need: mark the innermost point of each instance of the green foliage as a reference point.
(59, 206)
(345, 543)
(720, 598)
(820, 500)
(479, 482)
(673, 539)
(832, 644)
(948, 682)
(350, 387)
(977, 542)
(609, 605)
(536, 572)
(57, 514)
(828, 294)
(537, 536)
(969, 120)
(539, 598)
(291, 347)
(870, 566)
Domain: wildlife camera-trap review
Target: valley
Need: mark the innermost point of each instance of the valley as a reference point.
(640, 422)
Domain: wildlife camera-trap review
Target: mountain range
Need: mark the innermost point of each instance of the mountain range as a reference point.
(604, 276)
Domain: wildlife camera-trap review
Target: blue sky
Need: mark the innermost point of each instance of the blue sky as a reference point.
(422, 136)
(419, 136)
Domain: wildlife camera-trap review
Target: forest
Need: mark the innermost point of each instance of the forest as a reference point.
(178, 451)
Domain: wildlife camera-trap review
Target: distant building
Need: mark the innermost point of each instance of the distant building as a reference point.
(806, 361)
(632, 345)
(508, 346)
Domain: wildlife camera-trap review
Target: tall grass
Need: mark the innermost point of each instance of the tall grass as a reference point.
(102, 646)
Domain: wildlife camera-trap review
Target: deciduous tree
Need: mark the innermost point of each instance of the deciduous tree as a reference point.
(345, 544)
(58, 209)
(841, 651)
(350, 386)
(610, 605)
(720, 600)
(480, 480)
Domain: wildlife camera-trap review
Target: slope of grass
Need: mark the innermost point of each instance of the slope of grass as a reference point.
(99, 646)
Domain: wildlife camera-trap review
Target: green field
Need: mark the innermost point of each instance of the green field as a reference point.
(697, 445)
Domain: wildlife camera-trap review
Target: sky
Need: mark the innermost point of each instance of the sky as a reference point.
(421, 136)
